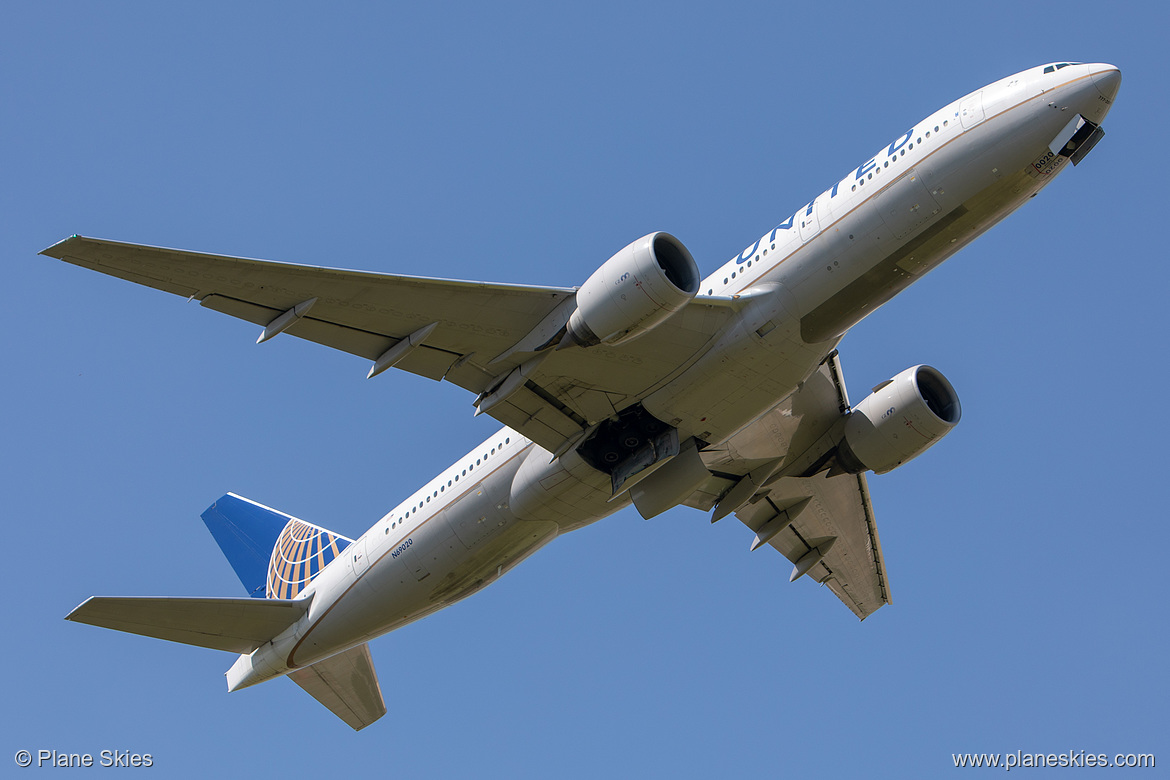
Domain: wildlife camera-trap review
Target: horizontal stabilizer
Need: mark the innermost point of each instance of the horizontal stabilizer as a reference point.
(236, 625)
(347, 685)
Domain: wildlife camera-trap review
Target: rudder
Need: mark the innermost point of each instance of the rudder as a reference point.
(275, 555)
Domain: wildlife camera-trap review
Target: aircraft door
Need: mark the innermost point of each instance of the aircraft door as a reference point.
(358, 560)
(971, 110)
(809, 220)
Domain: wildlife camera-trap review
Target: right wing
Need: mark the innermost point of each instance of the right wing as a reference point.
(474, 334)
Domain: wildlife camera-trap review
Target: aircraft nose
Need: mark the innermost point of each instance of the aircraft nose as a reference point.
(1107, 79)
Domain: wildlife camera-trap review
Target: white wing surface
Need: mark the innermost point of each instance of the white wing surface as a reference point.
(800, 515)
(839, 509)
(473, 334)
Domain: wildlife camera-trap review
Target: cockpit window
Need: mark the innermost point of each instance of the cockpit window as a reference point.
(1057, 66)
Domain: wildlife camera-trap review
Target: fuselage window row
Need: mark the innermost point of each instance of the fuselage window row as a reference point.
(893, 158)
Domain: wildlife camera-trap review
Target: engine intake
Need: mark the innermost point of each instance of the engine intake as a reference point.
(899, 421)
(632, 292)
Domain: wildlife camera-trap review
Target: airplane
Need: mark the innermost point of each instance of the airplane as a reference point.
(646, 385)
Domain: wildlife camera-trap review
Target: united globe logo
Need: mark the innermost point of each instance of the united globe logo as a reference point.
(302, 550)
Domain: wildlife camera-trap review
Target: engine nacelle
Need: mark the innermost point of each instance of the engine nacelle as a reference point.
(635, 290)
(899, 421)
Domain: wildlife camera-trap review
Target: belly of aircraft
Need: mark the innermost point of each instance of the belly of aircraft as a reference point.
(897, 269)
(396, 591)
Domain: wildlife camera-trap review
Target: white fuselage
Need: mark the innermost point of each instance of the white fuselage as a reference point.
(853, 247)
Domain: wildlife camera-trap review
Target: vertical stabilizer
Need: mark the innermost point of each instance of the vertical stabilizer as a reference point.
(275, 555)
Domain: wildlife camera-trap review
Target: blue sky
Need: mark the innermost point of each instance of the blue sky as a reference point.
(527, 143)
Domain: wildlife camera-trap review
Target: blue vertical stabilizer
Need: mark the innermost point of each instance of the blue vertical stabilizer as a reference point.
(246, 532)
(275, 555)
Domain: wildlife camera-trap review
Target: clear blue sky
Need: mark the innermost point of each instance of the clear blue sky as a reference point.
(527, 143)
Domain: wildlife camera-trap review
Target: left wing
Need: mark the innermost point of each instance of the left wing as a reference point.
(474, 334)
(838, 509)
(824, 524)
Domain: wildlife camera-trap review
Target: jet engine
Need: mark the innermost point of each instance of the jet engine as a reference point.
(899, 421)
(635, 290)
